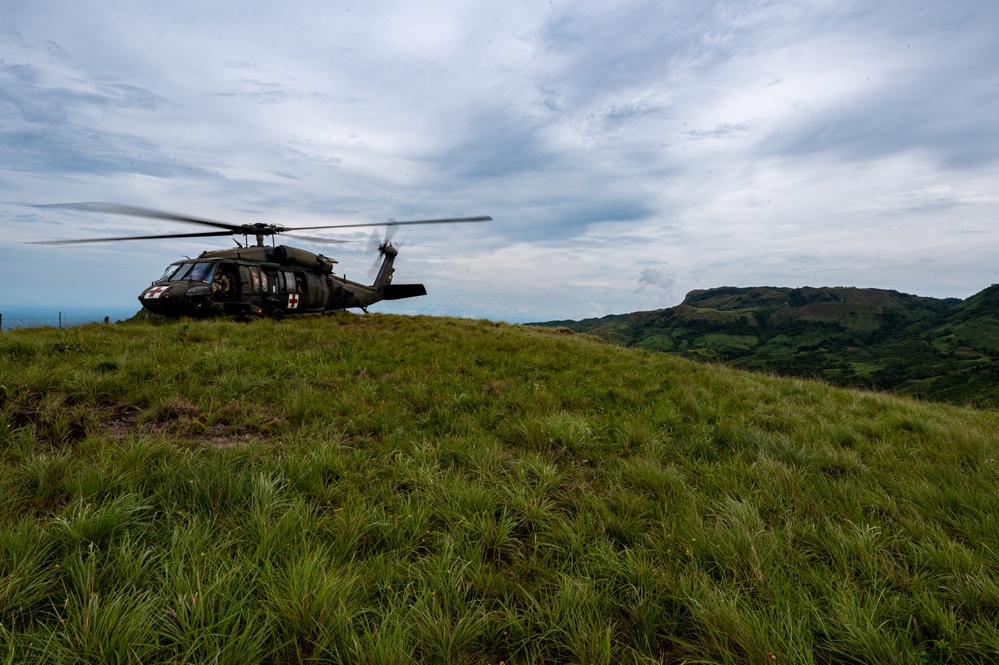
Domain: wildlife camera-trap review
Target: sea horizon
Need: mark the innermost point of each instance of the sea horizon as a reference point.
(38, 316)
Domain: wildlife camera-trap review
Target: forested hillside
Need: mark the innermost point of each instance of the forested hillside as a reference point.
(872, 338)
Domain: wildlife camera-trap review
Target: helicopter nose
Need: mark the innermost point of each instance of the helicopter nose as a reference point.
(162, 298)
(156, 293)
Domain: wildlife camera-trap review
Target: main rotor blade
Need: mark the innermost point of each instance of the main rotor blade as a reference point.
(134, 211)
(330, 241)
(205, 234)
(451, 220)
(236, 229)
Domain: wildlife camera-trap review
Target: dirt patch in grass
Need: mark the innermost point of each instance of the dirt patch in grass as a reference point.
(121, 422)
(126, 421)
(230, 440)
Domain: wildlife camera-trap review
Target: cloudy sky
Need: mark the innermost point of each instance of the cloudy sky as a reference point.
(629, 151)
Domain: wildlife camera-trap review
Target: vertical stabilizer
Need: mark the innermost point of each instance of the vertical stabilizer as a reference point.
(384, 277)
(383, 283)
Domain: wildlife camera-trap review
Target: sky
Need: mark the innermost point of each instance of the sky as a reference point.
(628, 151)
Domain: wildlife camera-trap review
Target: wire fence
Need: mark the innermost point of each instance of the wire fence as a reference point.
(10, 320)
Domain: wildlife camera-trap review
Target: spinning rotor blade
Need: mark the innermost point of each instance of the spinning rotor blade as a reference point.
(373, 268)
(374, 240)
(258, 229)
(390, 230)
(134, 211)
(376, 243)
(330, 241)
(206, 234)
(451, 220)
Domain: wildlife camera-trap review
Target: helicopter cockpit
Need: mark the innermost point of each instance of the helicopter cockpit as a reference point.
(190, 288)
(193, 271)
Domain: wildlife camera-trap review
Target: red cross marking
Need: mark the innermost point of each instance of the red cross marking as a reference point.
(293, 301)
(155, 291)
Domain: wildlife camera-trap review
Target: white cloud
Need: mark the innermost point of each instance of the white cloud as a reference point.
(735, 143)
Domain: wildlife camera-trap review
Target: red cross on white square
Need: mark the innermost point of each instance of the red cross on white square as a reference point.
(293, 301)
(155, 291)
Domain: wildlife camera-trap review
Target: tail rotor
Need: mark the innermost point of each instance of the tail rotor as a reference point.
(378, 243)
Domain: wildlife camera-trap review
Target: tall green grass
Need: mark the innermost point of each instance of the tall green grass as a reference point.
(387, 489)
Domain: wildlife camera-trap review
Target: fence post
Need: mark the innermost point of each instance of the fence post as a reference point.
(60, 320)
(107, 320)
(1, 320)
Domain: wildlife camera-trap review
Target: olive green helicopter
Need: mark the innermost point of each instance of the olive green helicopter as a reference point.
(260, 280)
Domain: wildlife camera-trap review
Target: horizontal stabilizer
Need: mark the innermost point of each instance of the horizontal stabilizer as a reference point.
(400, 291)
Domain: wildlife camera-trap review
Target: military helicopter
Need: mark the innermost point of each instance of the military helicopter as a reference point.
(260, 280)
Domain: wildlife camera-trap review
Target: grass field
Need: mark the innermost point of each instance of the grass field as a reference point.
(387, 489)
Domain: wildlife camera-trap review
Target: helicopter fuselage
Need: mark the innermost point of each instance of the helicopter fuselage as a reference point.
(267, 281)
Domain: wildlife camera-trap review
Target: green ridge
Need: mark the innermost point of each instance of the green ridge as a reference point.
(936, 349)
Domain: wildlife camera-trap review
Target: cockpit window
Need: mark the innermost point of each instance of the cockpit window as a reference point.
(201, 272)
(195, 272)
(171, 269)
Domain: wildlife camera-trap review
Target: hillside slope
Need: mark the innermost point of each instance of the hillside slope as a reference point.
(873, 338)
(391, 489)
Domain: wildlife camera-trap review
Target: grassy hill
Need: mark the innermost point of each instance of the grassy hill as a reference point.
(937, 349)
(386, 489)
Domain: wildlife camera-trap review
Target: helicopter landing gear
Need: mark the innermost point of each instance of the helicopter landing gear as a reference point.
(364, 309)
(277, 314)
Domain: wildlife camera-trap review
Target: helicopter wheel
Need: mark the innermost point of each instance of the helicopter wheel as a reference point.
(277, 314)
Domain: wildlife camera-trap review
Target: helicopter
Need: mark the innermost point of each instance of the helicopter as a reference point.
(260, 280)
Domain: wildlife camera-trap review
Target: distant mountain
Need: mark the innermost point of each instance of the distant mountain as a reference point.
(942, 349)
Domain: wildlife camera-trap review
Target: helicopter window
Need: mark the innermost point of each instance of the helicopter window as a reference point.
(171, 269)
(182, 272)
(244, 280)
(263, 282)
(201, 272)
(255, 278)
